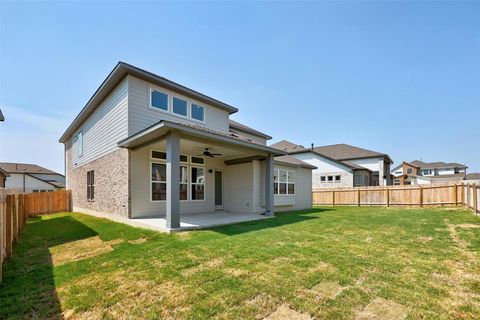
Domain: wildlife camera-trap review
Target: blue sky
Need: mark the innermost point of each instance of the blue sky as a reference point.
(396, 77)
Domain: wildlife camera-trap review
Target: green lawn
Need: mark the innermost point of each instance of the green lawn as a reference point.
(325, 263)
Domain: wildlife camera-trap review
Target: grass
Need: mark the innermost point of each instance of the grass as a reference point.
(324, 263)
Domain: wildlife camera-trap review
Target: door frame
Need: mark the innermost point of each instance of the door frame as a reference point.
(222, 206)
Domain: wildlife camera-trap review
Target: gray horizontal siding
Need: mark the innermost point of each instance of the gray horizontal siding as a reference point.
(142, 116)
(104, 127)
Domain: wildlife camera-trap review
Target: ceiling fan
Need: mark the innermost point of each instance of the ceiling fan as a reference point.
(207, 153)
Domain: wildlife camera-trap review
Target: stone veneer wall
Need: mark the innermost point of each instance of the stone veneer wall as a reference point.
(111, 183)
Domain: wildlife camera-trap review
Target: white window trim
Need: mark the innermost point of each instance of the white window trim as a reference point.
(287, 182)
(150, 100)
(194, 183)
(151, 181)
(169, 110)
(187, 164)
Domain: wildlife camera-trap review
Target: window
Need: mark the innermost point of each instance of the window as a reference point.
(35, 190)
(198, 160)
(183, 158)
(198, 183)
(283, 182)
(78, 140)
(337, 178)
(323, 178)
(90, 185)
(197, 112)
(330, 178)
(409, 170)
(159, 181)
(183, 183)
(159, 155)
(179, 106)
(159, 100)
(291, 182)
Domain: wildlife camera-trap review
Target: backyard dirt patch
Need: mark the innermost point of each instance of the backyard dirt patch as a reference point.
(327, 290)
(211, 264)
(424, 239)
(380, 309)
(322, 267)
(137, 241)
(80, 249)
(285, 313)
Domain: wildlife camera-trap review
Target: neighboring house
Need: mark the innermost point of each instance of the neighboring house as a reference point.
(3, 177)
(341, 165)
(419, 172)
(144, 146)
(25, 177)
(472, 178)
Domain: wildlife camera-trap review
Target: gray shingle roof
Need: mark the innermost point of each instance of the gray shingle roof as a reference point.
(288, 146)
(472, 176)
(435, 165)
(240, 126)
(344, 151)
(12, 167)
(292, 160)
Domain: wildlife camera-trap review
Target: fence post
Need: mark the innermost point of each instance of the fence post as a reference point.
(475, 204)
(468, 195)
(333, 197)
(455, 195)
(420, 200)
(8, 227)
(358, 196)
(387, 197)
(15, 217)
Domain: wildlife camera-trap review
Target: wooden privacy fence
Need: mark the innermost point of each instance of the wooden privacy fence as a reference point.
(428, 195)
(16, 208)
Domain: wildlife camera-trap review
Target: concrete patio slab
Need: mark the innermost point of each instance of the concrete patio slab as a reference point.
(189, 221)
(197, 221)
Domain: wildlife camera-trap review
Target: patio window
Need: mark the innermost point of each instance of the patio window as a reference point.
(159, 181)
(90, 185)
(180, 106)
(198, 160)
(159, 155)
(197, 112)
(183, 183)
(197, 183)
(159, 100)
(283, 182)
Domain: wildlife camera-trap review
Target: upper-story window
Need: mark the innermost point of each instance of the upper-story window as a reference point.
(198, 112)
(78, 142)
(180, 106)
(176, 105)
(159, 100)
(409, 170)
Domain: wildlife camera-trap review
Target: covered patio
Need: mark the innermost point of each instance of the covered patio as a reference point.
(235, 179)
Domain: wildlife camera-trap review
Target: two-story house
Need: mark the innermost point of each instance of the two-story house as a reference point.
(147, 147)
(341, 165)
(419, 172)
(27, 177)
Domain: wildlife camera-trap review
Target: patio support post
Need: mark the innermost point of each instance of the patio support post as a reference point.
(173, 181)
(269, 211)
